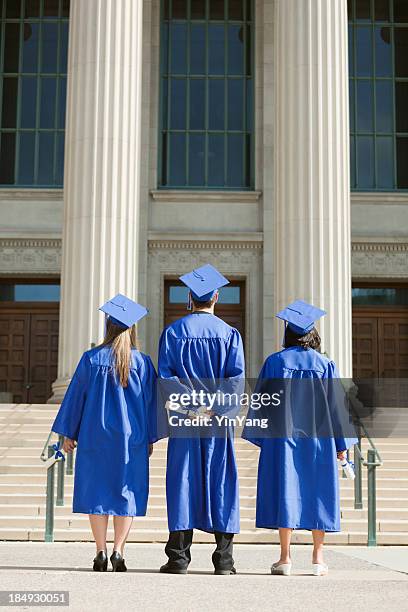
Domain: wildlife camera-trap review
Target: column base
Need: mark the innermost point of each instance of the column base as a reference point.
(59, 388)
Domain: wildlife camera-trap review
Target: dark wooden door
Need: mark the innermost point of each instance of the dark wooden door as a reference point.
(232, 313)
(14, 364)
(28, 352)
(380, 343)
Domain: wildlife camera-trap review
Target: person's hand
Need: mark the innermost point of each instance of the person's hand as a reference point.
(150, 450)
(68, 445)
(342, 455)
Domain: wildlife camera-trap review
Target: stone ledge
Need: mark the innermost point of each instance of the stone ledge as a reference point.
(31, 194)
(379, 197)
(198, 196)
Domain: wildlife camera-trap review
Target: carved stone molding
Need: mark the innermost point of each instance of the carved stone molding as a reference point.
(30, 256)
(382, 259)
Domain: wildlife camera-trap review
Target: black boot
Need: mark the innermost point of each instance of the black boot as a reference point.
(169, 568)
(100, 563)
(118, 562)
(221, 572)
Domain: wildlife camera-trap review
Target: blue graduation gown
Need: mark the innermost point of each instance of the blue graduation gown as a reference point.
(202, 477)
(113, 426)
(298, 483)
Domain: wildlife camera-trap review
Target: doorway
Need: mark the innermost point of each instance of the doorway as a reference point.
(29, 324)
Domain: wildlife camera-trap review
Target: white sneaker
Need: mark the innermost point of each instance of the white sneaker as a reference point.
(282, 569)
(320, 569)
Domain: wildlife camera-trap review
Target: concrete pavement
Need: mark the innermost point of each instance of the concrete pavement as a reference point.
(360, 579)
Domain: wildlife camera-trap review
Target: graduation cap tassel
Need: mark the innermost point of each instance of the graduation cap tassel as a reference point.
(189, 303)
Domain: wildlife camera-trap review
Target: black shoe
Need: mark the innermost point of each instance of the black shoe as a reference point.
(221, 572)
(100, 563)
(118, 562)
(171, 569)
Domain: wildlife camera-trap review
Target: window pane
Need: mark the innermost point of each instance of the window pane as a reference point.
(29, 293)
(9, 107)
(178, 49)
(62, 99)
(385, 162)
(350, 9)
(216, 104)
(216, 52)
(7, 158)
(249, 105)
(352, 162)
(236, 9)
(178, 104)
(177, 160)
(197, 160)
(378, 296)
(365, 106)
(11, 47)
(402, 163)
(216, 9)
(384, 106)
(178, 295)
(59, 178)
(351, 50)
(401, 52)
(197, 104)
(235, 170)
(27, 155)
(197, 49)
(28, 101)
(179, 8)
(382, 10)
(48, 99)
(164, 158)
(248, 51)
(351, 105)
(32, 8)
(383, 52)
(49, 47)
(235, 104)
(65, 8)
(63, 60)
(30, 47)
(51, 8)
(401, 106)
(230, 295)
(401, 11)
(216, 160)
(46, 159)
(364, 51)
(13, 9)
(363, 10)
(235, 49)
(197, 9)
(365, 161)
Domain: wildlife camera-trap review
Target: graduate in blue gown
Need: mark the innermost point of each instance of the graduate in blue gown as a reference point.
(109, 410)
(298, 476)
(202, 477)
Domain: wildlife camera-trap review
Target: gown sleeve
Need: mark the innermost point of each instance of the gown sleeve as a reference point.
(249, 432)
(344, 432)
(233, 384)
(169, 381)
(68, 419)
(149, 386)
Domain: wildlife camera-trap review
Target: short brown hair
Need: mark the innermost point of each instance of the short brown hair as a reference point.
(311, 340)
(201, 305)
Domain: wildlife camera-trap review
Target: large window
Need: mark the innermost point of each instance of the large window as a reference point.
(33, 66)
(378, 61)
(206, 115)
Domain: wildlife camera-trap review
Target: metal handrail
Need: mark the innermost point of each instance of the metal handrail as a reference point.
(373, 461)
(47, 452)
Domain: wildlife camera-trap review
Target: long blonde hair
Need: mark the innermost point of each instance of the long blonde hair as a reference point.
(121, 342)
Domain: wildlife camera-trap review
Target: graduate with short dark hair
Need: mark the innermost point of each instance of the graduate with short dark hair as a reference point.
(202, 477)
(109, 410)
(298, 475)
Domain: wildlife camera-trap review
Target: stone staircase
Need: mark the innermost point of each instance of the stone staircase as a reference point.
(23, 431)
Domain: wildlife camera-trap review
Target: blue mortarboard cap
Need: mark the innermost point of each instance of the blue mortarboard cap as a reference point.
(123, 311)
(301, 316)
(203, 282)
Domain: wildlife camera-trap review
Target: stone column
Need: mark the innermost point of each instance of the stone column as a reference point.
(102, 164)
(312, 198)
